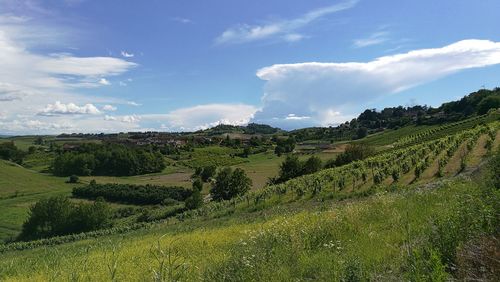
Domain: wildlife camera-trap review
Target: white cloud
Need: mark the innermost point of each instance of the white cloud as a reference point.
(295, 117)
(132, 103)
(126, 118)
(30, 79)
(127, 55)
(59, 108)
(109, 108)
(104, 81)
(293, 37)
(182, 20)
(286, 29)
(334, 92)
(375, 38)
(204, 116)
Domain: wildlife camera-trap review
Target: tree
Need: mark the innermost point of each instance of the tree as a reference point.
(57, 216)
(362, 132)
(196, 199)
(290, 168)
(208, 172)
(39, 141)
(490, 102)
(312, 165)
(229, 184)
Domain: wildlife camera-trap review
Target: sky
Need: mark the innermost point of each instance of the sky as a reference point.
(156, 65)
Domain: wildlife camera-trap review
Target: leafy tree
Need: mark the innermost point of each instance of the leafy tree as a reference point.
(208, 172)
(229, 184)
(290, 168)
(312, 165)
(490, 102)
(362, 132)
(285, 145)
(9, 151)
(196, 199)
(57, 216)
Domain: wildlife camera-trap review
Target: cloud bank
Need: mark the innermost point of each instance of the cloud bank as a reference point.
(331, 93)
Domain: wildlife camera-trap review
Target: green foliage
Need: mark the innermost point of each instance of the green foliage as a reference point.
(208, 172)
(110, 159)
(57, 216)
(292, 167)
(132, 194)
(284, 146)
(9, 151)
(229, 184)
(73, 179)
(353, 152)
(196, 199)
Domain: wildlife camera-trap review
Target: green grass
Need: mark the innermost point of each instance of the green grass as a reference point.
(213, 155)
(307, 240)
(19, 188)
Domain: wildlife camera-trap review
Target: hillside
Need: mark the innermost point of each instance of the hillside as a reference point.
(19, 189)
(315, 227)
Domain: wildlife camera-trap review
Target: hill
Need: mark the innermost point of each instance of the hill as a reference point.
(335, 223)
(19, 189)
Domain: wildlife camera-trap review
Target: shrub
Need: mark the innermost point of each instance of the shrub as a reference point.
(73, 179)
(132, 194)
(58, 216)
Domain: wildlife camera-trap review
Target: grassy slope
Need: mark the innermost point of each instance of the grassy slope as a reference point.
(341, 233)
(30, 186)
(311, 240)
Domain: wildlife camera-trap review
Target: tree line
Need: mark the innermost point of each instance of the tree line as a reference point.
(132, 194)
(108, 159)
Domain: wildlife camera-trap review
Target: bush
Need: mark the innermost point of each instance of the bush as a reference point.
(58, 216)
(73, 179)
(353, 152)
(132, 194)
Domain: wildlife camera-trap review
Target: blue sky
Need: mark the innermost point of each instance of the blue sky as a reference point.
(110, 66)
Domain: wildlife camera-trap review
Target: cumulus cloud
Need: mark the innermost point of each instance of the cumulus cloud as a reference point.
(286, 29)
(109, 108)
(59, 108)
(331, 93)
(204, 116)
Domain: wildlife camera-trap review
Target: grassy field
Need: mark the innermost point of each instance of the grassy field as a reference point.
(308, 240)
(19, 188)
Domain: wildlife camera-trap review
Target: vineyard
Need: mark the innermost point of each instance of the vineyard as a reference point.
(400, 166)
(358, 179)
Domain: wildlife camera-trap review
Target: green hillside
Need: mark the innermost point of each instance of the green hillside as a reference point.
(400, 215)
(19, 188)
